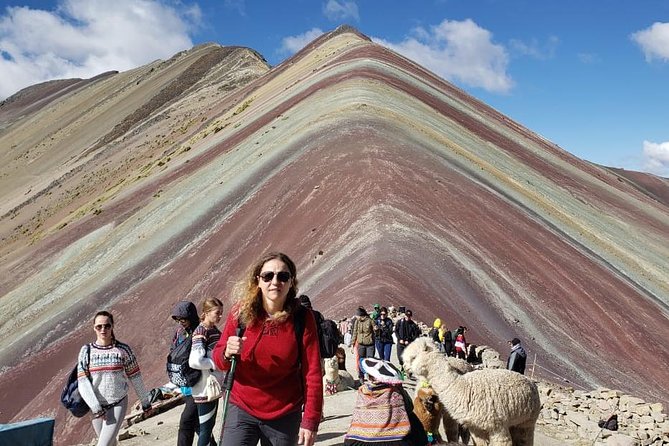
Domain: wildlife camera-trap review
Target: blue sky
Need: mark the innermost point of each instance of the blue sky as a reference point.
(590, 75)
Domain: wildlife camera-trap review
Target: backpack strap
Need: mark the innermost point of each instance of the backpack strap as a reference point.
(88, 362)
(299, 322)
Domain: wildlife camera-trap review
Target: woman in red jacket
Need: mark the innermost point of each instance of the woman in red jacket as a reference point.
(274, 378)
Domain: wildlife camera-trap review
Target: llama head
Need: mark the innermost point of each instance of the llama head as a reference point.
(422, 344)
(331, 364)
(414, 355)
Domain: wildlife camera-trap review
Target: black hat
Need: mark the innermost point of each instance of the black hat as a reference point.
(515, 341)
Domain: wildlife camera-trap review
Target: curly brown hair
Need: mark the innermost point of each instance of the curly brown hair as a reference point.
(249, 298)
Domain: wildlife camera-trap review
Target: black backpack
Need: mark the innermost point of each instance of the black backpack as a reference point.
(329, 338)
(178, 371)
(434, 334)
(70, 397)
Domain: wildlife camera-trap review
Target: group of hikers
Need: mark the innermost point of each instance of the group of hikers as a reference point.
(270, 349)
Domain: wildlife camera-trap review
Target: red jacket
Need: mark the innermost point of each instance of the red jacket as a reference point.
(268, 382)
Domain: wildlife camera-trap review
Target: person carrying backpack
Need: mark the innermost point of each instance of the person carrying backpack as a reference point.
(104, 369)
(185, 313)
(278, 388)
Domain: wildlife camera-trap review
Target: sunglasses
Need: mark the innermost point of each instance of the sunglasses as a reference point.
(383, 314)
(267, 276)
(99, 327)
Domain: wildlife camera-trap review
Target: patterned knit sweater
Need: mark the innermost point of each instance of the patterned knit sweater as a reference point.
(204, 341)
(110, 368)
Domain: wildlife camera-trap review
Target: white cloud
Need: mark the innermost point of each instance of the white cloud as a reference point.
(654, 41)
(336, 10)
(536, 49)
(459, 51)
(588, 58)
(656, 157)
(293, 44)
(237, 5)
(83, 38)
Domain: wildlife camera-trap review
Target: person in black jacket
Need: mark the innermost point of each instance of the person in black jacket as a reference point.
(185, 313)
(384, 334)
(406, 331)
(517, 358)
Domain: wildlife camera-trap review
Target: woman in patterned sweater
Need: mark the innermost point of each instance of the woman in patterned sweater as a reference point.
(104, 368)
(205, 337)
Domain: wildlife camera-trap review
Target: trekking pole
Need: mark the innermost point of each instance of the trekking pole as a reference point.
(533, 365)
(229, 380)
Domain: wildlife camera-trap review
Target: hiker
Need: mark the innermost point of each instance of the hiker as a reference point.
(406, 331)
(448, 341)
(103, 372)
(517, 357)
(434, 334)
(329, 336)
(205, 337)
(460, 342)
(363, 338)
(275, 377)
(383, 412)
(185, 313)
(375, 312)
(384, 335)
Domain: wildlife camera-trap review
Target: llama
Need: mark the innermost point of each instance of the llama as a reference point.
(336, 380)
(453, 429)
(499, 407)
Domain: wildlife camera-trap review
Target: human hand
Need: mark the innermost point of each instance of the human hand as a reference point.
(234, 346)
(99, 414)
(306, 437)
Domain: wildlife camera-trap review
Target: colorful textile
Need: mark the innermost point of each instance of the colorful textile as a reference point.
(379, 414)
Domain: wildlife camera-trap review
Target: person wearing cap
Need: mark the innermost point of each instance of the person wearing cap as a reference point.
(517, 358)
(406, 331)
(185, 313)
(383, 412)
